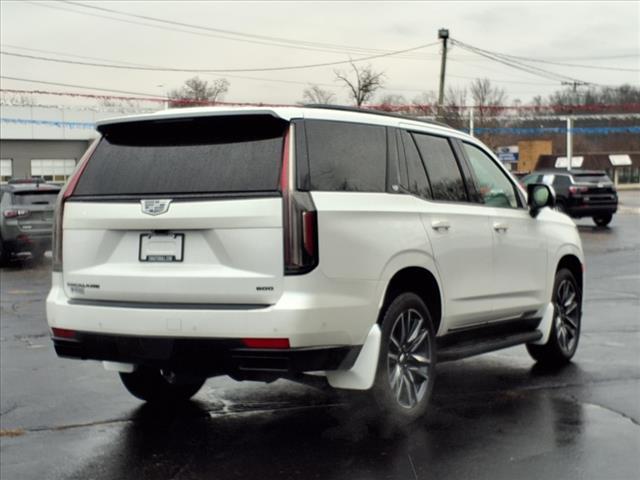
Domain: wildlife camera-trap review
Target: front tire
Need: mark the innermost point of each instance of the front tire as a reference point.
(565, 329)
(155, 386)
(4, 254)
(603, 220)
(406, 365)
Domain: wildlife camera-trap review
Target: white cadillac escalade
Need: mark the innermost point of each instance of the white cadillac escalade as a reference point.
(266, 243)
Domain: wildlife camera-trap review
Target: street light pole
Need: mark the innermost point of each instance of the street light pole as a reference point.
(574, 85)
(569, 141)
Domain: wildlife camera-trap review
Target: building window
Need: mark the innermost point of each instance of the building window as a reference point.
(628, 175)
(52, 170)
(6, 170)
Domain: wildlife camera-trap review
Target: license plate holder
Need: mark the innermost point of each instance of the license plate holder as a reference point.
(161, 247)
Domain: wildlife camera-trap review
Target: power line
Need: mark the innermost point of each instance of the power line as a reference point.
(58, 84)
(516, 64)
(300, 45)
(551, 62)
(219, 30)
(243, 77)
(214, 70)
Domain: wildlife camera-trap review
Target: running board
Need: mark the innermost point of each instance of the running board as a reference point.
(469, 348)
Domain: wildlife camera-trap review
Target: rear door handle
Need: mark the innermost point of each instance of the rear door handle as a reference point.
(440, 225)
(500, 227)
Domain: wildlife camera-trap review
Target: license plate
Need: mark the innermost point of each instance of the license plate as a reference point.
(156, 247)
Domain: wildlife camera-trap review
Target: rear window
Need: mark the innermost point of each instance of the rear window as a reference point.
(35, 198)
(591, 178)
(203, 155)
(346, 156)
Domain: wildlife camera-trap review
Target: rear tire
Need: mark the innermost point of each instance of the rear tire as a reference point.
(406, 365)
(603, 220)
(152, 386)
(565, 329)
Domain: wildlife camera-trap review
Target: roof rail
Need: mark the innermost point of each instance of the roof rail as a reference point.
(373, 112)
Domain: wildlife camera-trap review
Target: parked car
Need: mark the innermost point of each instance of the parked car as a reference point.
(267, 243)
(27, 217)
(584, 193)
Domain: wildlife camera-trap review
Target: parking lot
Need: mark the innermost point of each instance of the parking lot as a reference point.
(492, 416)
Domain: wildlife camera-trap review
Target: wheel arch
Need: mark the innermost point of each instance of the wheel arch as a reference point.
(422, 282)
(574, 265)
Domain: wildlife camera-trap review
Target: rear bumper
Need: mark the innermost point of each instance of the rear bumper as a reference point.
(312, 312)
(208, 357)
(587, 210)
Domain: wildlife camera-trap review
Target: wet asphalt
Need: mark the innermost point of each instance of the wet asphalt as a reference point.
(495, 416)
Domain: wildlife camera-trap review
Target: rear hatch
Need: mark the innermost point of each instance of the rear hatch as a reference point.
(36, 207)
(179, 211)
(595, 187)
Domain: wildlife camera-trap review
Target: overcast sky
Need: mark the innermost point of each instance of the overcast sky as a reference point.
(603, 34)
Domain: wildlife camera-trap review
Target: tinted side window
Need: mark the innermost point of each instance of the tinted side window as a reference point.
(442, 168)
(417, 182)
(495, 188)
(531, 179)
(346, 156)
(561, 181)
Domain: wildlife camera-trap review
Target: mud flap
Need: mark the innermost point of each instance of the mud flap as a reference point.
(545, 325)
(363, 373)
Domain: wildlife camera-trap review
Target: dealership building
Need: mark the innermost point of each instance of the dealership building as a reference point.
(45, 142)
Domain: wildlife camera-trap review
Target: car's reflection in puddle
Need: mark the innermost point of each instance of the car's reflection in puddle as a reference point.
(486, 421)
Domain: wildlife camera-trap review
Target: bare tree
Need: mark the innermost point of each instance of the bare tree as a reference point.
(454, 111)
(365, 84)
(17, 99)
(196, 91)
(425, 104)
(316, 95)
(392, 103)
(123, 105)
(486, 98)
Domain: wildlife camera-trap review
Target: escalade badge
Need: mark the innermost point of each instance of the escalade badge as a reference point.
(155, 206)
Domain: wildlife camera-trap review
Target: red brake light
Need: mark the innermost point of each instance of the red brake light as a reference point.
(574, 189)
(309, 223)
(63, 333)
(266, 342)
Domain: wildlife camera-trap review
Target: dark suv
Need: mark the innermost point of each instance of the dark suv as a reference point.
(26, 218)
(585, 193)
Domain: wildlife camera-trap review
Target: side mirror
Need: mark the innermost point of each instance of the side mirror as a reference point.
(540, 196)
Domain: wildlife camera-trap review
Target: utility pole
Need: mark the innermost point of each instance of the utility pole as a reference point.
(575, 84)
(443, 33)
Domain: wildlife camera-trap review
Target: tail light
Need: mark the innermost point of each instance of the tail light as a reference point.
(299, 217)
(574, 189)
(278, 343)
(63, 333)
(15, 213)
(64, 194)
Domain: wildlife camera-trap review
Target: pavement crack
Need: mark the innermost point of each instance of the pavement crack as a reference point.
(229, 410)
(413, 468)
(9, 409)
